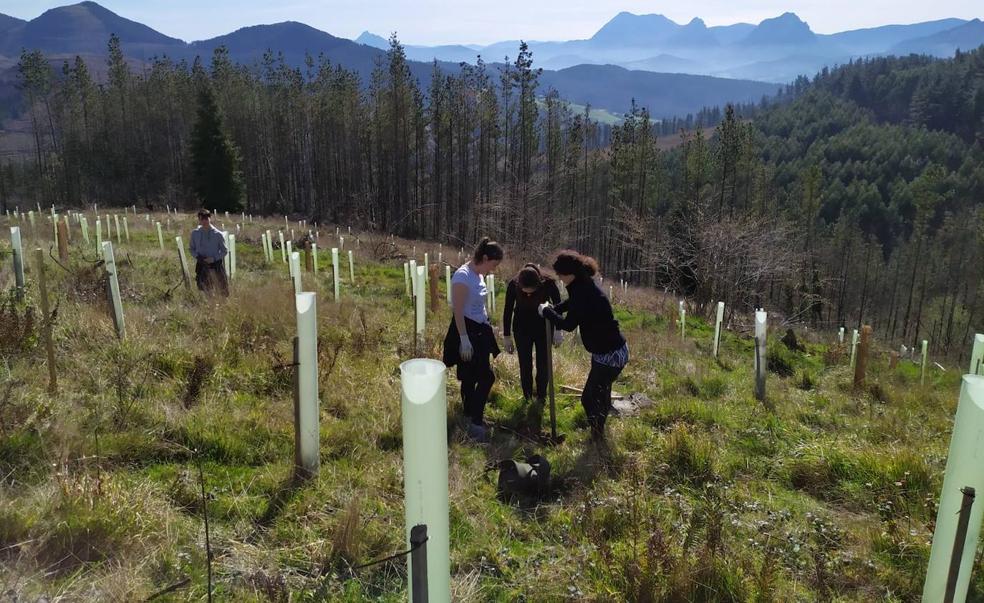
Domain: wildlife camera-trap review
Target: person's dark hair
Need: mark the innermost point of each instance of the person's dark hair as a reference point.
(529, 277)
(489, 250)
(571, 262)
(204, 213)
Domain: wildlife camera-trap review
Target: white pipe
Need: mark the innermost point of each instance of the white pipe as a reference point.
(717, 327)
(421, 304)
(334, 268)
(183, 258)
(854, 347)
(232, 256)
(963, 468)
(160, 234)
(447, 281)
(18, 248)
(351, 268)
(977, 356)
(308, 428)
(295, 271)
(425, 467)
(761, 337)
(114, 288)
(922, 370)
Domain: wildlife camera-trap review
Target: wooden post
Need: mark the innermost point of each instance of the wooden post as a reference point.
(550, 381)
(862, 361)
(46, 318)
(893, 361)
(308, 260)
(432, 281)
(62, 241)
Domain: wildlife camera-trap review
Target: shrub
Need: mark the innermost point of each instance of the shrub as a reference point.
(780, 360)
(689, 458)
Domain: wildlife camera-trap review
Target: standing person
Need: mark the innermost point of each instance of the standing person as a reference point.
(470, 342)
(209, 249)
(522, 323)
(588, 308)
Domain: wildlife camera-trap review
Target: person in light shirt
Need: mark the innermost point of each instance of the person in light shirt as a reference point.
(208, 247)
(470, 341)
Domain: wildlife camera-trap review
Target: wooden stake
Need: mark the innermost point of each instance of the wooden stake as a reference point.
(46, 324)
(62, 241)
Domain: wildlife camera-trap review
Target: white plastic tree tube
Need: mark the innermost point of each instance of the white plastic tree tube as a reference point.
(126, 230)
(854, 347)
(283, 250)
(761, 336)
(683, 320)
(119, 232)
(183, 259)
(840, 335)
(266, 254)
(977, 355)
(232, 256)
(963, 469)
(447, 281)
(925, 358)
(336, 277)
(314, 257)
(99, 235)
(425, 467)
(295, 271)
(351, 268)
(718, 321)
(85, 229)
(18, 249)
(68, 227)
(269, 247)
(227, 260)
(114, 289)
(290, 249)
(421, 304)
(413, 276)
(341, 242)
(427, 266)
(30, 217)
(307, 428)
(160, 235)
(406, 278)
(492, 292)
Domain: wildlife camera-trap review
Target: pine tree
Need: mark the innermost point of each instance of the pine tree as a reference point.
(216, 177)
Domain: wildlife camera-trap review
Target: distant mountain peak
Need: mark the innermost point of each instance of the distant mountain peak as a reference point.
(786, 29)
(697, 22)
(370, 39)
(631, 29)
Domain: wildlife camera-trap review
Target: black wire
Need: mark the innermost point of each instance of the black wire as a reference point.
(392, 557)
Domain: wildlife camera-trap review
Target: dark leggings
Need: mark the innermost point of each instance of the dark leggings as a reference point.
(597, 395)
(476, 383)
(525, 342)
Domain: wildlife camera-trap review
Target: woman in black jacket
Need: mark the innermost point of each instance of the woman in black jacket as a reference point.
(588, 308)
(525, 329)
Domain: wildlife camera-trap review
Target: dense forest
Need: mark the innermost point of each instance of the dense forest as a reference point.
(855, 196)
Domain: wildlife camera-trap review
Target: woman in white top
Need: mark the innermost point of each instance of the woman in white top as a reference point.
(470, 342)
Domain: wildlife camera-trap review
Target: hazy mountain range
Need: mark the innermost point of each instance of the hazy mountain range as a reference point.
(84, 29)
(776, 50)
(670, 68)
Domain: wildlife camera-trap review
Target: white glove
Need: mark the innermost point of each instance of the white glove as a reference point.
(558, 338)
(508, 344)
(465, 350)
(541, 307)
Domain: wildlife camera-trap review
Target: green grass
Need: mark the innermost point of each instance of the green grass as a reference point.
(705, 496)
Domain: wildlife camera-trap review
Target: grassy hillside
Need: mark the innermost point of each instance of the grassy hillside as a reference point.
(705, 496)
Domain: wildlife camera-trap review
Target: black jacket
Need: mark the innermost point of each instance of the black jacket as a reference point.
(482, 338)
(520, 311)
(587, 307)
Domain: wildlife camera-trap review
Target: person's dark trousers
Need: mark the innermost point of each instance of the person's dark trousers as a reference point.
(210, 277)
(477, 379)
(526, 341)
(597, 396)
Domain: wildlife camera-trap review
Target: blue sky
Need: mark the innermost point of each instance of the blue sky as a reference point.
(460, 22)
